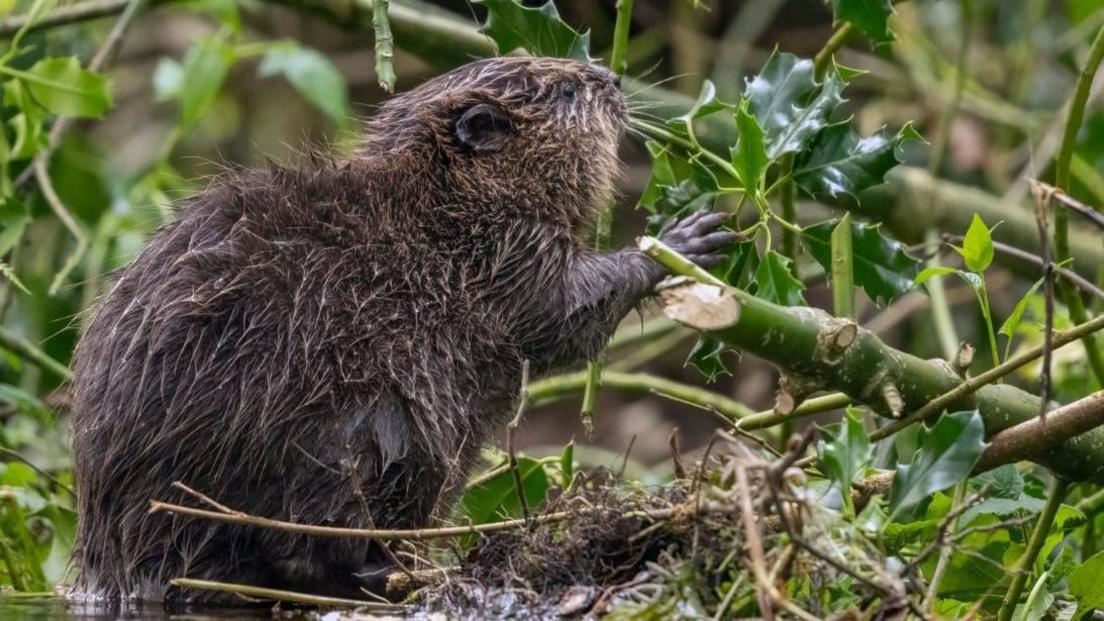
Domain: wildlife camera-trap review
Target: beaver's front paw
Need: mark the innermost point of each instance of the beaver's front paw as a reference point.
(696, 237)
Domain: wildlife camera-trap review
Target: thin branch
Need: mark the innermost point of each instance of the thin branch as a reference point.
(1034, 545)
(1073, 277)
(286, 596)
(233, 516)
(64, 15)
(1094, 351)
(1041, 434)
(41, 472)
(47, 186)
(1094, 216)
(26, 350)
(523, 401)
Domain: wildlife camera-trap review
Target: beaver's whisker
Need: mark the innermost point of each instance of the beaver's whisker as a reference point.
(653, 85)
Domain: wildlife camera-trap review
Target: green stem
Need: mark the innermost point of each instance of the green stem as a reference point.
(26, 350)
(619, 56)
(1034, 545)
(385, 45)
(590, 396)
(550, 389)
(843, 276)
(1075, 115)
(824, 57)
(987, 314)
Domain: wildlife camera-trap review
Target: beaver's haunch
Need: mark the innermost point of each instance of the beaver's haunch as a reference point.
(297, 333)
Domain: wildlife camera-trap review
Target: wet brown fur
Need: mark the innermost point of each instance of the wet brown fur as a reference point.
(294, 331)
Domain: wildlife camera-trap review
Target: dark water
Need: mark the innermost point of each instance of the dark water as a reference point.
(15, 607)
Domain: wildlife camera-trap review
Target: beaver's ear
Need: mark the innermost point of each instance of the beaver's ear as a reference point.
(483, 127)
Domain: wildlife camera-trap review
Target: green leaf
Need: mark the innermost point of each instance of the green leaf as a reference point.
(871, 16)
(205, 68)
(882, 266)
(947, 453)
(977, 246)
(313, 75)
(567, 465)
(677, 186)
(838, 164)
(63, 87)
(928, 273)
(8, 272)
(749, 157)
(788, 103)
(1087, 585)
(706, 357)
(776, 283)
(497, 498)
(1008, 328)
(845, 452)
(539, 30)
(1038, 601)
(705, 105)
(743, 262)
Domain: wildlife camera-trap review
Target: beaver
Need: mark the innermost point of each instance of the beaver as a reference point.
(332, 344)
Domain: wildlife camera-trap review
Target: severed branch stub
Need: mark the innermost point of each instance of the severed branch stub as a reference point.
(698, 305)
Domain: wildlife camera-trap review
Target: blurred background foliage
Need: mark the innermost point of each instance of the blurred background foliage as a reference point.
(197, 86)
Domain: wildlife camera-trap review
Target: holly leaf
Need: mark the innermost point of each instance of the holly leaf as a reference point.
(538, 30)
(749, 157)
(789, 104)
(706, 357)
(839, 164)
(740, 269)
(677, 185)
(882, 266)
(776, 283)
(870, 16)
(313, 75)
(63, 87)
(845, 451)
(946, 455)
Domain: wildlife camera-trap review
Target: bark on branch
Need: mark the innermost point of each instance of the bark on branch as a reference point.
(804, 344)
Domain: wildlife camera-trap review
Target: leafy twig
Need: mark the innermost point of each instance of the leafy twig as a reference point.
(1038, 537)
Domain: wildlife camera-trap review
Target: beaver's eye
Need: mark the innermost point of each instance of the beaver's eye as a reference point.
(568, 90)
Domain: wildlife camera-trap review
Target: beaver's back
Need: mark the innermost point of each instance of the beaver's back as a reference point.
(250, 351)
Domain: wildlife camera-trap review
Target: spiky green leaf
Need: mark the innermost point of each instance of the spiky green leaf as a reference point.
(946, 455)
(789, 104)
(538, 30)
(839, 164)
(776, 283)
(870, 16)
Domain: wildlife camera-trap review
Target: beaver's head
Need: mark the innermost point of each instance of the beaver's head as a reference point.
(536, 135)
